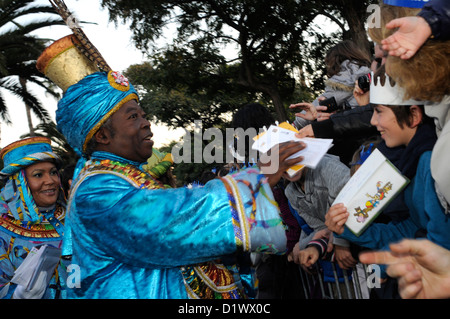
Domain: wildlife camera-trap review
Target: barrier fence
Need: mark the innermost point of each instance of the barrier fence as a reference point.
(350, 285)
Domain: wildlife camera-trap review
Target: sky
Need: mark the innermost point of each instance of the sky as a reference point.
(115, 45)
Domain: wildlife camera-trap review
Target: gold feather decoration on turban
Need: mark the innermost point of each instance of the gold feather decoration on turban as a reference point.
(84, 45)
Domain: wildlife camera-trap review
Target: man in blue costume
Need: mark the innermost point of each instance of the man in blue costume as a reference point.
(131, 237)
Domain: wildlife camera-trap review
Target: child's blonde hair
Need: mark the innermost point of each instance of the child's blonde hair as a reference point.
(425, 76)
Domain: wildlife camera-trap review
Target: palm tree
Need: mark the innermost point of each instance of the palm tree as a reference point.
(18, 54)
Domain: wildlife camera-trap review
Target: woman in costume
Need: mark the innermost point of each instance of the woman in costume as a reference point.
(32, 212)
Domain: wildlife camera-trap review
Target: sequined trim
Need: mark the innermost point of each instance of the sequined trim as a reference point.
(27, 230)
(210, 281)
(240, 224)
(129, 172)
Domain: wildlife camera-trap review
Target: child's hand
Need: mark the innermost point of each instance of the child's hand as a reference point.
(308, 257)
(344, 257)
(336, 217)
(411, 35)
(310, 111)
(294, 255)
(307, 131)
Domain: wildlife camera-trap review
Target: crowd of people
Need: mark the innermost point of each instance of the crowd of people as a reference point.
(118, 217)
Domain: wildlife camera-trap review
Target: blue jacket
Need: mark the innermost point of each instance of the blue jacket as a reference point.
(426, 215)
(437, 14)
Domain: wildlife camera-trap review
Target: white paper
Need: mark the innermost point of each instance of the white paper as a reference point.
(23, 274)
(369, 190)
(315, 149)
(45, 259)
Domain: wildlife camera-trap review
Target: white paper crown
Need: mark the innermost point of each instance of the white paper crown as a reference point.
(387, 94)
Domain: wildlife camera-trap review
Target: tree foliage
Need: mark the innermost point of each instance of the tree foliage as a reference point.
(19, 51)
(278, 55)
(272, 38)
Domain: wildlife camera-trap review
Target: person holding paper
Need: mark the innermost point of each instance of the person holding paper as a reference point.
(131, 236)
(425, 75)
(404, 123)
(32, 214)
(312, 191)
(276, 277)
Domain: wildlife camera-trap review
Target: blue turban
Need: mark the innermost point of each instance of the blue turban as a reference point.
(88, 104)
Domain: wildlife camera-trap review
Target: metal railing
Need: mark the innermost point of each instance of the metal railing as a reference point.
(354, 286)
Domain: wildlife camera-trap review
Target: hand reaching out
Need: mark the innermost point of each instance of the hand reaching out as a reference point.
(311, 112)
(422, 268)
(411, 35)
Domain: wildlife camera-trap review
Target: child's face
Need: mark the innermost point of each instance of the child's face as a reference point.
(386, 123)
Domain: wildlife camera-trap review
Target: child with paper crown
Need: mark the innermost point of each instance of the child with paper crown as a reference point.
(424, 76)
(401, 122)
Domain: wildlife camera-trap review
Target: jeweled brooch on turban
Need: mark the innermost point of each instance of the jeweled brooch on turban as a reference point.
(118, 81)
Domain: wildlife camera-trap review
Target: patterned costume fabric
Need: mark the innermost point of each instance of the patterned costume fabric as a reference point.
(134, 239)
(24, 225)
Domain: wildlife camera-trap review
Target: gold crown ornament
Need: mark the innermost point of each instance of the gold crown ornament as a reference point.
(71, 58)
(64, 64)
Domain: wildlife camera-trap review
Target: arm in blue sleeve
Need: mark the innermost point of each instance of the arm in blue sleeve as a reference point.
(437, 223)
(176, 226)
(379, 236)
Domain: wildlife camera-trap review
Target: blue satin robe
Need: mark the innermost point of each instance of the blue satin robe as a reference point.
(131, 242)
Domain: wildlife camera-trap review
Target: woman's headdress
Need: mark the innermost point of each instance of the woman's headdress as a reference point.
(26, 152)
(15, 197)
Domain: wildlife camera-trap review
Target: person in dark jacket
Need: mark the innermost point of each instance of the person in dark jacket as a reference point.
(346, 62)
(349, 129)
